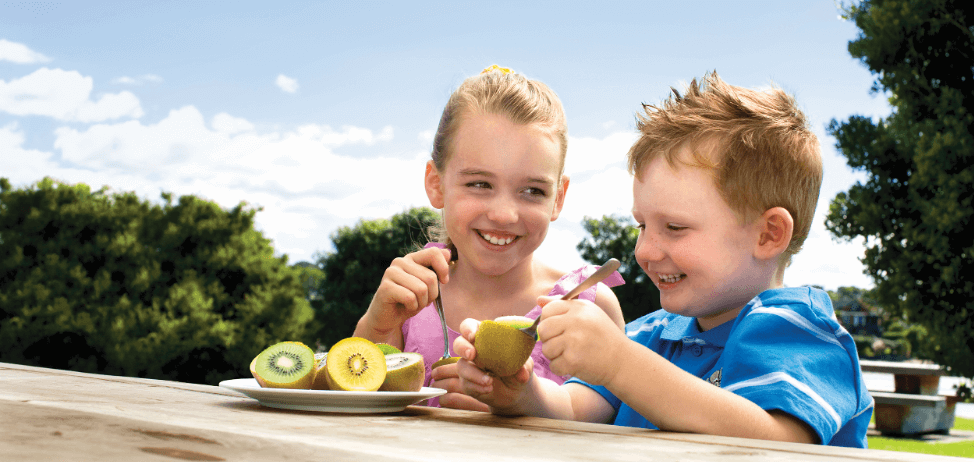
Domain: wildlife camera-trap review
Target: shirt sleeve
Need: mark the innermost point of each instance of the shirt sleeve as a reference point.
(789, 358)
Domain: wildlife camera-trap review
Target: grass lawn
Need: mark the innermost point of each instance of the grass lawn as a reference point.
(961, 449)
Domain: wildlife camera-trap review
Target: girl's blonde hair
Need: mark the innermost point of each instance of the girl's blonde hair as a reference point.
(758, 143)
(497, 91)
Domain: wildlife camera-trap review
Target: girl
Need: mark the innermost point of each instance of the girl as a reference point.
(497, 175)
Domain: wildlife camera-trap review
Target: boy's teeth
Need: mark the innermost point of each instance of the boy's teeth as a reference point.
(670, 277)
(495, 240)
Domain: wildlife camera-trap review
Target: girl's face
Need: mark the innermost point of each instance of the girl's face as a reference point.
(500, 188)
(692, 245)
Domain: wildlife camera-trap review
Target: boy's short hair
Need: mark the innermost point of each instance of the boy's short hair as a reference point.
(758, 143)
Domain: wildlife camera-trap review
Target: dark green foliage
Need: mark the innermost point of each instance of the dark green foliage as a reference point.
(353, 271)
(615, 237)
(915, 208)
(105, 282)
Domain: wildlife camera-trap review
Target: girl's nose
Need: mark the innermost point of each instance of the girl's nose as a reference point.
(503, 209)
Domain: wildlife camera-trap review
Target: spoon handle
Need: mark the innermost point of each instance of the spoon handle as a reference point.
(608, 268)
(439, 310)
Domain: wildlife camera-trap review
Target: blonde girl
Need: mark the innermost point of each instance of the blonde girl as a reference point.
(497, 174)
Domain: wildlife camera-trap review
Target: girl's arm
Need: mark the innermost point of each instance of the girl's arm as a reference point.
(606, 299)
(408, 285)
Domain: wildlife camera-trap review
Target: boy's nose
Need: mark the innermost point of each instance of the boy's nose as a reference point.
(647, 249)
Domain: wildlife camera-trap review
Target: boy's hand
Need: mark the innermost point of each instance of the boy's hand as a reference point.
(408, 285)
(580, 339)
(502, 394)
(447, 378)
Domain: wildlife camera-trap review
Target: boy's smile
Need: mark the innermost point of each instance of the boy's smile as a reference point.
(692, 244)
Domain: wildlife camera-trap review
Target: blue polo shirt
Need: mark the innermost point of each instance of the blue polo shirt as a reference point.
(785, 351)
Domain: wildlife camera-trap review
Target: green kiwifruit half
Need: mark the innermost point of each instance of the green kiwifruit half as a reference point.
(320, 381)
(355, 364)
(387, 349)
(501, 347)
(404, 372)
(285, 365)
(444, 361)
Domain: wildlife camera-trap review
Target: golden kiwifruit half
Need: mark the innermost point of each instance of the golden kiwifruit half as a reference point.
(444, 361)
(285, 365)
(404, 372)
(321, 381)
(355, 364)
(501, 347)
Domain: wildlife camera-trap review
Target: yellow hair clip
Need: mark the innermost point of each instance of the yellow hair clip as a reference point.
(494, 67)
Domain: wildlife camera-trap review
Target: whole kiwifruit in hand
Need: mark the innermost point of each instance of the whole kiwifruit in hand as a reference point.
(355, 364)
(501, 347)
(387, 349)
(284, 365)
(404, 372)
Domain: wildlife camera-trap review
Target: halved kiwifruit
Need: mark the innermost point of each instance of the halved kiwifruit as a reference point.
(501, 347)
(284, 365)
(404, 372)
(355, 364)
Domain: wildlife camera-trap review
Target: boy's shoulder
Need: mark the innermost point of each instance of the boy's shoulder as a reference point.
(806, 302)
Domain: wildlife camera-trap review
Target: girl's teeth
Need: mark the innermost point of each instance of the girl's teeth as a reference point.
(495, 240)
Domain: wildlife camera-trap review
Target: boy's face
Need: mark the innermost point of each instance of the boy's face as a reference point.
(692, 245)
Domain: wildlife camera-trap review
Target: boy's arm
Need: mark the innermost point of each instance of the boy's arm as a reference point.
(676, 400)
(606, 299)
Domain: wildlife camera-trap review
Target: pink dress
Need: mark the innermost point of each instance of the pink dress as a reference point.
(423, 334)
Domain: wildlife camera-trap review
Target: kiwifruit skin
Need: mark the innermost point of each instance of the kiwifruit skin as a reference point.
(445, 361)
(320, 381)
(502, 348)
(302, 380)
(408, 378)
(337, 361)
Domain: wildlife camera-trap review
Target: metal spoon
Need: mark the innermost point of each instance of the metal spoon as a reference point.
(439, 310)
(595, 278)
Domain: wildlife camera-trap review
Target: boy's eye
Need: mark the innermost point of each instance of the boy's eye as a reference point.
(537, 192)
(672, 227)
(478, 184)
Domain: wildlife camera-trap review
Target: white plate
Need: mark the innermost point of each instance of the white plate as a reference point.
(329, 400)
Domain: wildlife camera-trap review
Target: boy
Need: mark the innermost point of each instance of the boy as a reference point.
(726, 181)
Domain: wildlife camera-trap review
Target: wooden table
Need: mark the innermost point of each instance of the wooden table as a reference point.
(916, 406)
(54, 415)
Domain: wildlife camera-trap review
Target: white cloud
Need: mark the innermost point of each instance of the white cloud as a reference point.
(286, 84)
(229, 124)
(20, 53)
(64, 95)
(142, 79)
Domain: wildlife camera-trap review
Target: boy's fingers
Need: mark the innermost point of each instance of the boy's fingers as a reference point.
(545, 299)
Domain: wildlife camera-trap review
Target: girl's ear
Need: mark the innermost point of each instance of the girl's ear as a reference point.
(560, 197)
(775, 228)
(434, 185)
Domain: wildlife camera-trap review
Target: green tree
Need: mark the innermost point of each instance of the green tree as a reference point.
(615, 237)
(105, 282)
(353, 270)
(914, 209)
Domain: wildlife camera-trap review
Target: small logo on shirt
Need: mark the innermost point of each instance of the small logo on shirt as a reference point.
(715, 377)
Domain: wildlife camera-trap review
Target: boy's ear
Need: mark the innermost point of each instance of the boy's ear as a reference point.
(434, 185)
(775, 228)
(560, 197)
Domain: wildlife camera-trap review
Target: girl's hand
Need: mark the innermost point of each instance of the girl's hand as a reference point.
(407, 286)
(580, 339)
(447, 378)
(502, 394)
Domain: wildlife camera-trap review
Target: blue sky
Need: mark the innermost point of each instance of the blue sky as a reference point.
(322, 113)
